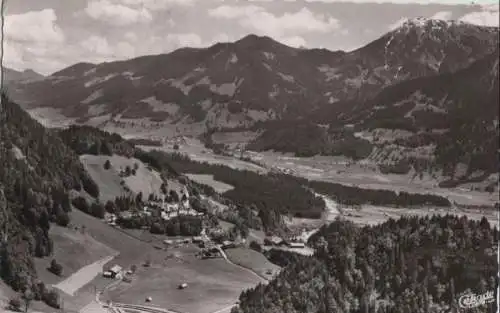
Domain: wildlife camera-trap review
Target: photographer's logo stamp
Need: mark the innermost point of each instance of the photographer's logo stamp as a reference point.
(470, 300)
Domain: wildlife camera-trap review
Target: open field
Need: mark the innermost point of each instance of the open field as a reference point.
(6, 293)
(126, 245)
(252, 260)
(370, 215)
(109, 181)
(93, 241)
(337, 170)
(196, 151)
(83, 276)
(213, 284)
(209, 180)
(73, 250)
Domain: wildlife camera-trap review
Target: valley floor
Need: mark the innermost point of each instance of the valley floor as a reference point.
(335, 170)
(213, 284)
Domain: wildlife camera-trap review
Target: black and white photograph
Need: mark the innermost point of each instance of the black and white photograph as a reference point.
(249, 156)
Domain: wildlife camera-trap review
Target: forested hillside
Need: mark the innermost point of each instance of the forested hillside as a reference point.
(410, 265)
(38, 171)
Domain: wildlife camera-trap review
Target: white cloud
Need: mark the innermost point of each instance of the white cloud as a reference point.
(258, 20)
(117, 14)
(294, 41)
(130, 36)
(125, 50)
(98, 49)
(184, 40)
(443, 15)
(97, 45)
(156, 4)
(34, 26)
(488, 16)
(221, 37)
(397, 23)
(29, 37)
(446, 2)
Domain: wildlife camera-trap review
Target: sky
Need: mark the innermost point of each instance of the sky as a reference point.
(49, 35)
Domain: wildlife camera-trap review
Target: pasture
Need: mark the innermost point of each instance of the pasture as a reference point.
(253, 261)
(213, 284)
(73, 250)
(112, 185)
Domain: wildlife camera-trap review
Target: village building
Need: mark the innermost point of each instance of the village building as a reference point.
(126, 214)
(116, 271)
(274, 240)
(197, 239)
(226, 244)
(296, 245)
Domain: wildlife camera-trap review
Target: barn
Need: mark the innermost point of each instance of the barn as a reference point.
(116, 271)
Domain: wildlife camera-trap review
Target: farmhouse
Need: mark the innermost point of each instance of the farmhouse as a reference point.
(109, 218)
(116, 271)
(210, 253)
(126, 214)
(296, 245)
(226, 244)
(274, 240)
(197, 239)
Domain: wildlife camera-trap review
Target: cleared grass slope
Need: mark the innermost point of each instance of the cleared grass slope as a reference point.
(73, 250)
(253, 261)
(109, 181)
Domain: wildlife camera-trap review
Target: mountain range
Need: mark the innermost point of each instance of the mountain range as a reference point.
(419, 81)
(11, 75)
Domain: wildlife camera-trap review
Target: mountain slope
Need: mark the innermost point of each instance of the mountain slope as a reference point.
(255, 78)
(452, 116)
(11, 75)
(405, 100)
(37, 173)
(457, 112)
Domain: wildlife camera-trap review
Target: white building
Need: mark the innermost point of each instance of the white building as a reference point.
(296, 245)
(116, 271)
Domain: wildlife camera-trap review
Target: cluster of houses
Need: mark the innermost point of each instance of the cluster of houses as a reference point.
(177, 140)
(209, 248)
(166, 210)
(293, 243)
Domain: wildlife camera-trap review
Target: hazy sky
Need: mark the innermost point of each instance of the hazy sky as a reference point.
(47, 35)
